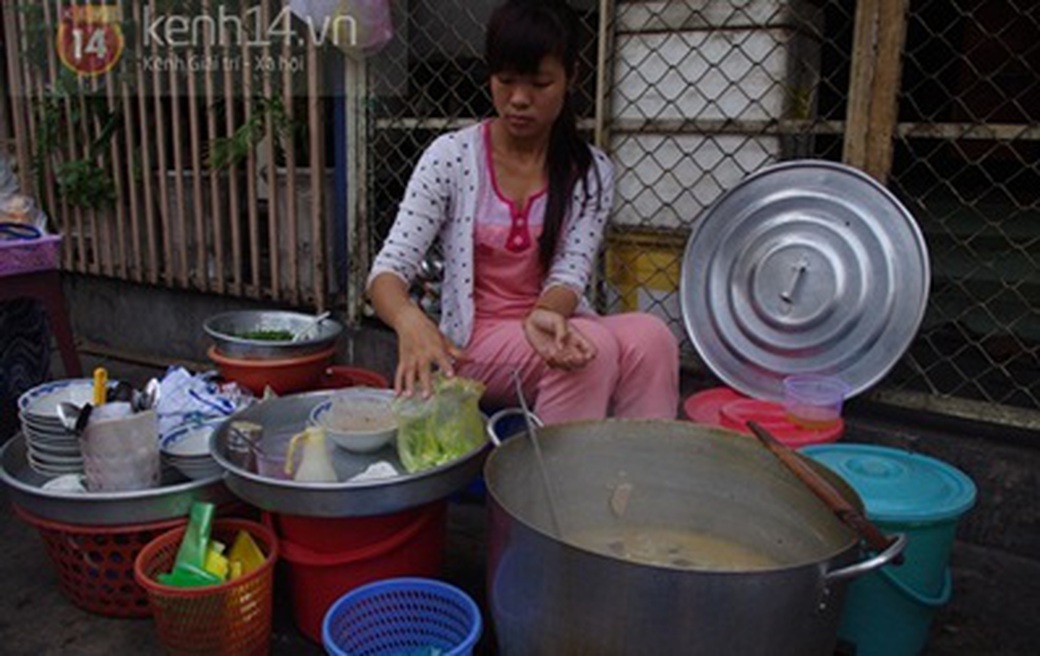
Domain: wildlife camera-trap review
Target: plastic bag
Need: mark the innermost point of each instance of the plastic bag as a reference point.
(372, 26)
(186, 399)
(442, 428)
(16, 207)
(354, 26)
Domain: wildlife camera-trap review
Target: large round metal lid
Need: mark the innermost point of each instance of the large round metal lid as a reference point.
(804, 267)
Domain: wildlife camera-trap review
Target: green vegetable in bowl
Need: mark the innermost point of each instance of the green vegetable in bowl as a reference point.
(440, 429)
(272, 335)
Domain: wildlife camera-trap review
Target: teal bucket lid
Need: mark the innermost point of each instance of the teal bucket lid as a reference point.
(897, 485)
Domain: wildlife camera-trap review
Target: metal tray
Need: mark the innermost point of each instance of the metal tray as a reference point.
(172, 499)
(289, 414)
(804, 267)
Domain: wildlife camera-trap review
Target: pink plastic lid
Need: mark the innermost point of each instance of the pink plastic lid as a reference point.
(771, 416)
(723, 406)
(704, 407)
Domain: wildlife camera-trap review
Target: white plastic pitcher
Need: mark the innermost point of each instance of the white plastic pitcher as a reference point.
(315, 464)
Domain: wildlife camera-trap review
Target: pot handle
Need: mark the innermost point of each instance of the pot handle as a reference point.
(493, 420)
(870, 564)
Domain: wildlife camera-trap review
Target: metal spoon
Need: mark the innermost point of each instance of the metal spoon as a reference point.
(68, 413)
(73, 417)
(311, 323)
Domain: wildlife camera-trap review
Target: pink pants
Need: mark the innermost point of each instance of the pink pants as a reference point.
(635, 373)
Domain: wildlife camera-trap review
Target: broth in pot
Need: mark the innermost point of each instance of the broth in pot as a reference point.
(670, 547)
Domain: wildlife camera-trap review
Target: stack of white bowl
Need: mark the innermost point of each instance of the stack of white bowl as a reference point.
(53, 450)
(187, 449)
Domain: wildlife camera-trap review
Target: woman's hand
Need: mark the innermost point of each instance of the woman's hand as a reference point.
(420, 346)
(559, 343)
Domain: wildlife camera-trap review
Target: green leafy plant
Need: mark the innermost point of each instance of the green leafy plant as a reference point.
(65, 114)
(226, 152)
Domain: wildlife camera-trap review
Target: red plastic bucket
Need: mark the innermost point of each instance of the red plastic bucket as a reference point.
(317, 579)
(337, 535)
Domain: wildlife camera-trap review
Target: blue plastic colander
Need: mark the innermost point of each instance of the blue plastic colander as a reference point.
(402, 617)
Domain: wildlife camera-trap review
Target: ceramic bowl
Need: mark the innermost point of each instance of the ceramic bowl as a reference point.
(358, 419)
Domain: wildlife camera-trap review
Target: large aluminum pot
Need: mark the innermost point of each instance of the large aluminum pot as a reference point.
(551, 592)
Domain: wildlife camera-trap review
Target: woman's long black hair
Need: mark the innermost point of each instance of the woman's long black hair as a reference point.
(519, 35)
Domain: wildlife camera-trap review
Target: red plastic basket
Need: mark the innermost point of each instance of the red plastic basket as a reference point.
(231, 618)
(95, 564)
(29, 255)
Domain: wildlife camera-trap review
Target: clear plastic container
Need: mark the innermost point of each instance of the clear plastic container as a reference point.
(120, 450)
(814, 401)
(270, 458)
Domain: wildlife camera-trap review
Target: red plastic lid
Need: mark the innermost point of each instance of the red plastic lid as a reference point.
(722, 406)
(704, 407)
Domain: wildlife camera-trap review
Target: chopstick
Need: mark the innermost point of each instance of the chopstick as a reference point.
(838, 504)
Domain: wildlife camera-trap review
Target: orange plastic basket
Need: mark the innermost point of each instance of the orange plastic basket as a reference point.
(230, 618)
(95, 564)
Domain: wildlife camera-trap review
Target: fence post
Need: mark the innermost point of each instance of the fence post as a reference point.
(880, 34)
(356, 94)
(19, 103)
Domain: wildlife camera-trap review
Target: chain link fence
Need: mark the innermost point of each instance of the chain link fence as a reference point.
(687, 96)
(691, 96)
(701, 95)
(967, 162)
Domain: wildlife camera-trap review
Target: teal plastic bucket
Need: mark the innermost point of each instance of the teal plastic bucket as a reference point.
(889, 612)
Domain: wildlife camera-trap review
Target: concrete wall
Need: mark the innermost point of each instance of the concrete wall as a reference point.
(164, 324)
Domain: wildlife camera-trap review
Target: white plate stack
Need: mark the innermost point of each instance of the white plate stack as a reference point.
(53, 450)
(187, 449)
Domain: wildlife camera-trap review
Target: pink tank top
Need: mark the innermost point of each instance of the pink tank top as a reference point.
(508, 277)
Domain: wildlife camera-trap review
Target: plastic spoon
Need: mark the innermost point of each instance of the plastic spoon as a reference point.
(311, 323)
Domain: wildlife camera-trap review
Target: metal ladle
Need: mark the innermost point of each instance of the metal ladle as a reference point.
(311, 323)
(532, 435)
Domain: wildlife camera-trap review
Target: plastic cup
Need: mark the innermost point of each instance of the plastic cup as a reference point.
(270, 460)
(814, 401)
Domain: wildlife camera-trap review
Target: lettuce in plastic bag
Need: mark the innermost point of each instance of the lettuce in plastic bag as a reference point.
(437, 430)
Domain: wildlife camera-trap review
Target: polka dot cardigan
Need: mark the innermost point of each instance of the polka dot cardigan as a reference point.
(441, 201)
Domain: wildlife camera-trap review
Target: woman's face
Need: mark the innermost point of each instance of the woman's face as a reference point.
(528, 104)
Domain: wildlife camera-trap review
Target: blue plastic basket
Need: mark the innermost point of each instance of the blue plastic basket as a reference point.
(402, 617)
